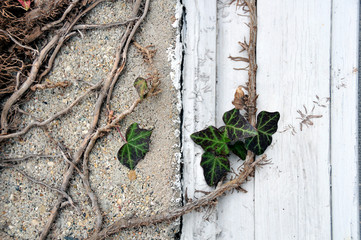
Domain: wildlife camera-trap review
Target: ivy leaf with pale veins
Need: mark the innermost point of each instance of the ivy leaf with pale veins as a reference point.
(239, 149)
(211, 139)
(215, 167)
(223, 132)
(136, 147)
(237, 127)
(266, 126)
(142, 87)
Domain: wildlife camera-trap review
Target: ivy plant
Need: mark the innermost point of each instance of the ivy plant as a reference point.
(237, 136)
(136, 146)
(137, 139)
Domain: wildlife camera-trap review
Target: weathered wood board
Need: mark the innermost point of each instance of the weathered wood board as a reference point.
(199, 96)
(292, 196)
(307, 70)
(235, 211)
(344, 153)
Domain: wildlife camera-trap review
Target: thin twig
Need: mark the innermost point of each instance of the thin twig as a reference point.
(25, 157)
(125, 50)
(50, 119)
(18, 76)
(93, 5)
(52, 24)
(63, 150)
(68, 174)
(62, 193)
(148, 55)
(54, 54)
(106, 25)
(18, 43)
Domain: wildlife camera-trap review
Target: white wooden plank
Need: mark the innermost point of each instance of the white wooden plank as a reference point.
(292, 195)
(344, 157)
(199, 77)
(236, 210)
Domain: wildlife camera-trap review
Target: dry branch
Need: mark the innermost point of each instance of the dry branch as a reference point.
(50, 119)
(66, 12)
(24, 158)
(106, 25)
(53, 55)
(62, 193)
(127, 42)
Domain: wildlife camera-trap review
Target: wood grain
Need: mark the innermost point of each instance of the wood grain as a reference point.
(292, 196)
(344, 156)
(307, 70)
(199, 101)
(235, 211)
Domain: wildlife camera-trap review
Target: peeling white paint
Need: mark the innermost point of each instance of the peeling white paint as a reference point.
(175, 58)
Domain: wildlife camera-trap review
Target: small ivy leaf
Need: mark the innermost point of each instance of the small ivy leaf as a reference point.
(239, 149)
(211, 139)
(215, 167)
(142, 87)
(266, 126)
(136, 147)
(237, 127)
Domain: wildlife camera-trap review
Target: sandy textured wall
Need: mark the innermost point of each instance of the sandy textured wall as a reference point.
(83, 61)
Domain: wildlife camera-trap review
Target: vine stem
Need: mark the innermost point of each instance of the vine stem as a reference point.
(121, 135)
(252, 71)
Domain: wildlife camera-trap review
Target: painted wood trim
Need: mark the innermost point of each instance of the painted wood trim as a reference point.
(199, 96)
(292, 195)
(344, 115)
(235, 210)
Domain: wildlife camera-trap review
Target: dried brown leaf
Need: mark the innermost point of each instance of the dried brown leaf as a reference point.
(238, 100)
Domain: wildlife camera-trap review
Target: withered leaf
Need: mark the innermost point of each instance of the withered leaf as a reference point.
(238, 100)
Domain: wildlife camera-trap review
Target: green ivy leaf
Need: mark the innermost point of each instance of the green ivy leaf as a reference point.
(237, 127)
(211, 139)
(215, 167)
(239, 149)
(136, 147)
(142, 87)
(266, 126)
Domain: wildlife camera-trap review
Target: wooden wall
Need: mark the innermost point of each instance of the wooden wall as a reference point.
(307, 53)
